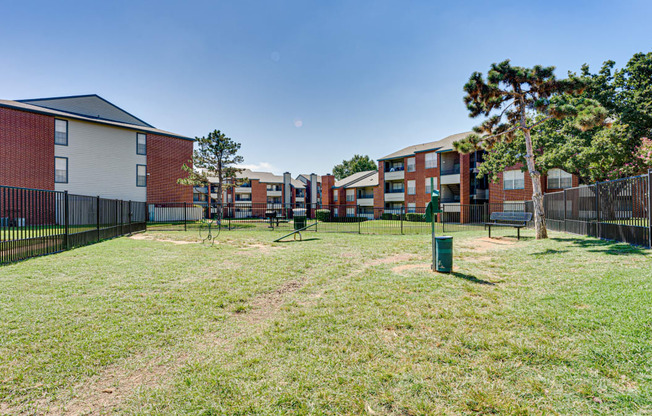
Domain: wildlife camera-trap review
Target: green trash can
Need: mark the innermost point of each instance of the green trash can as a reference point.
(300, 217)
(444, 254)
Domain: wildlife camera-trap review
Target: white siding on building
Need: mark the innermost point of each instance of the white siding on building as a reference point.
(101, 161)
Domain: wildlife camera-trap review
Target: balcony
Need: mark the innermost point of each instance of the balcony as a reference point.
(394, 195)
(274, 193)
(396, 175)
(453, 170)
(300, 199)
(243, 190)
(366, 202)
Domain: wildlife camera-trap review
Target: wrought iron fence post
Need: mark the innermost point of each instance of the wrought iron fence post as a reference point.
(649, 208)
(565, 227)
(357, 218)
(185, 217)
(66, 221)
(597, 210)
(98, 217)
(443, 218)
(401, 217)
(129, 209)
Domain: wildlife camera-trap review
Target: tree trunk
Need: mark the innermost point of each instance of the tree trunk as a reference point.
(537, 193)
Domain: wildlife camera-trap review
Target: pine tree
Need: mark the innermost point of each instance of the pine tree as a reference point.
(216, 156)
(516, 100)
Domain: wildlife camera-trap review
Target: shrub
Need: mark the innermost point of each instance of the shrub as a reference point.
(414, 217)
(323, 215)
(348, 219)
(389, 216)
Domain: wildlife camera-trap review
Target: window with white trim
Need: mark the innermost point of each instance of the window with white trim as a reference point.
(411, 207)
(60, 132)
(513, 179)
(141, 175)
(350, 195)
(431, 160)
(141, 144)
(559, 179)
(335, 212)
(61, 170)
(350, 212)
(428, 190)
(412, 164)
(412, 187)
(335, 195)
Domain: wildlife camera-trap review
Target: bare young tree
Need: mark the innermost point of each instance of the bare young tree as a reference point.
(216, 156)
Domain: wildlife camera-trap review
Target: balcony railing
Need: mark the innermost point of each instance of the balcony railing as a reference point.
(397, 168)
(363, 195)
(395, 191)
(455, 170)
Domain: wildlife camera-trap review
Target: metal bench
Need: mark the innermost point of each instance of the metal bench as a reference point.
(516, 220)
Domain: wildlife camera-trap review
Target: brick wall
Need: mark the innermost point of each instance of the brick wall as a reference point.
(379, 191)
(26, 149)
(498, 194)
(327, 183)
(165, 157)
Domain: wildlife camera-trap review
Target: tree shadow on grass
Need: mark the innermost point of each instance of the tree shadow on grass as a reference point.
(472, 279)
(594, 245)
(548, 251)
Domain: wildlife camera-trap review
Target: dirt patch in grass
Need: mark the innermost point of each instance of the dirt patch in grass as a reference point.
(484, 244)
(250, 248)
(390, 260)
(163, 240)
(408, 267)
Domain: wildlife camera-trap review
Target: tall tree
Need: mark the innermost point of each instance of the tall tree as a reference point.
(602, 153)
(358, 163)
(516, 100)
(215, 156)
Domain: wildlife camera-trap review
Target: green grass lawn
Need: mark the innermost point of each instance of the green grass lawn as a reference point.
(336, 324)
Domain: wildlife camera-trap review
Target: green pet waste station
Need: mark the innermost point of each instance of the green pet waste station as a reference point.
(300, 218)
(442, 247)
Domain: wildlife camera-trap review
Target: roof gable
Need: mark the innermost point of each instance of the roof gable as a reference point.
(90, 106)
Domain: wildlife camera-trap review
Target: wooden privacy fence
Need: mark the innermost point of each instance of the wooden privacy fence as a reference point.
(34, 222)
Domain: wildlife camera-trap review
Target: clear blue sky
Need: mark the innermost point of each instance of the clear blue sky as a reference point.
(302, 84)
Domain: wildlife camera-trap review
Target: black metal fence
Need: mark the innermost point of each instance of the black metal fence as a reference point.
(35, 222)
(614, 210)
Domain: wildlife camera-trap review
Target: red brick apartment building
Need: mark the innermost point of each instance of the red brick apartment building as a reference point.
(351, 196)
(405, 176)
(403, 181)
(255, 192)
(88, 146)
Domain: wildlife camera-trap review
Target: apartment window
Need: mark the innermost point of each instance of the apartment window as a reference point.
(61, 132)
(350, 195)
(411, 207)
(412, 164)
(141, 144)
(428, 189)
(61, 170)
(335, 212)
(559, 179)
(335, 195)
(350, 212)
(141, 175)
(412, 188)
(513, 179)
(431, 160)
